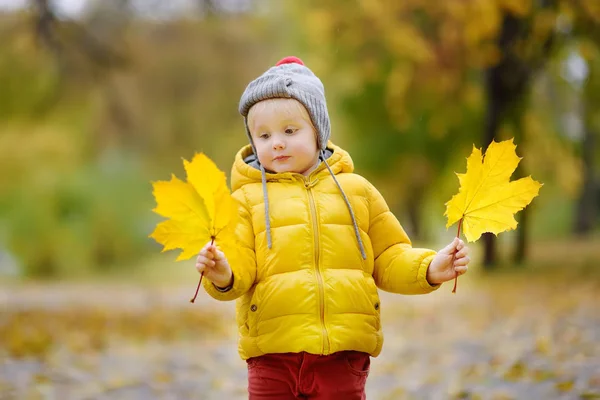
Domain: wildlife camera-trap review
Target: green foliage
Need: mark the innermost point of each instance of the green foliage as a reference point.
(86, 221)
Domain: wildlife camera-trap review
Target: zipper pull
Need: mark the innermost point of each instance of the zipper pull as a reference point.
(311, 184)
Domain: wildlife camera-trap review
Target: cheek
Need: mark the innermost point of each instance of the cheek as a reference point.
(310, 140)
(309, 147)
(263, 152)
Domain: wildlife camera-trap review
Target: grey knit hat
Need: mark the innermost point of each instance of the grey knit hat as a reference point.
(290, 79)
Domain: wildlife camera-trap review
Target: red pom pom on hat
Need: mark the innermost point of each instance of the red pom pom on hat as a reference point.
(289, 60)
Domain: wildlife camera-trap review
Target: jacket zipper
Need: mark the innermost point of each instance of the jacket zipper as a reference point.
(313, 210)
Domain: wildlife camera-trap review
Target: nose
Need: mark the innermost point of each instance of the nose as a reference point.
(278, 144)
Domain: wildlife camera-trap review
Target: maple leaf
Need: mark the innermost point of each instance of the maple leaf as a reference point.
(487, 200)
(199, 210)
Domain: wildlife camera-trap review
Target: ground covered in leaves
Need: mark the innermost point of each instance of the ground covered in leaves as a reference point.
(513, 336)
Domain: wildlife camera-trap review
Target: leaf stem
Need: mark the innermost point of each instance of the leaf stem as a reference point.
(453, 255)
(193, 299)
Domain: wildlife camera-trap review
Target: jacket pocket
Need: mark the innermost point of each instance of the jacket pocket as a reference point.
(372, 292)
(377, 307)
(253, 313)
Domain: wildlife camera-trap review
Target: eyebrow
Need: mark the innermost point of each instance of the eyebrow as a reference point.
(291, 121)
(286, 121)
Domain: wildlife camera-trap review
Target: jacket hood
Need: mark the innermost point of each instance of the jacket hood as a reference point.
(246, 168)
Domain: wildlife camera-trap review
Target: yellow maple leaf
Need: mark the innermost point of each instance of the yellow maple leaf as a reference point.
(487, 200)
(199, 210)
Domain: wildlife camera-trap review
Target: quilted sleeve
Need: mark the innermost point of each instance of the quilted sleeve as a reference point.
(399, 268)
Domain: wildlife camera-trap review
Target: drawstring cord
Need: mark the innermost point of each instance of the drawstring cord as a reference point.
(356, 232)
(266, 197)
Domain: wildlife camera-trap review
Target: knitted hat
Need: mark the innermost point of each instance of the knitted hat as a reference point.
(290, 79)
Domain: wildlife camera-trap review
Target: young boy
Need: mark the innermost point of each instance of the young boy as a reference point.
(315, 243)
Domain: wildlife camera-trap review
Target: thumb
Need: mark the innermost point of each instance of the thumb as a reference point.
(219, 255)
(450, 248)
(213, 249)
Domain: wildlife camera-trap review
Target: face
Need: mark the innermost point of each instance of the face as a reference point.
(283, 136)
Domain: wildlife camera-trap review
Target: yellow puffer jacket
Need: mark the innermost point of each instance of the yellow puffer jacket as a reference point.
(313, 291)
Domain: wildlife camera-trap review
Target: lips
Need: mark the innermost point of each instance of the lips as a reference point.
(281, 158)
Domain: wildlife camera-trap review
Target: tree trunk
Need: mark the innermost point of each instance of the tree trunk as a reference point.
(521, 241)
(505, 82)
(492, 122)
(45, 22)
(586, 206)
(490, 258)
(507, 85)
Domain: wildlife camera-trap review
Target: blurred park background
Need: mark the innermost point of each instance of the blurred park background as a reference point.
(100, 97)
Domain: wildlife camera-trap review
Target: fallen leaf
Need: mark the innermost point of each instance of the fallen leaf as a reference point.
(565, 386)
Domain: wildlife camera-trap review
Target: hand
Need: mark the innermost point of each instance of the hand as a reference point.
(213, 264)
(446, 264)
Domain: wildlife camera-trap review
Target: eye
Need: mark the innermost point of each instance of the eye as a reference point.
(264, 136)
(289, 131)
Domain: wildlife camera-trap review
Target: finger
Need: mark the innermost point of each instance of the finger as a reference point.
(210, 253)
(461, 269)
(205, 261)
(200, 267)
(201, 258)
(205, 247)
(219, 255)
(460, 245)
(449, 249)
(462, 261)
(461, 253)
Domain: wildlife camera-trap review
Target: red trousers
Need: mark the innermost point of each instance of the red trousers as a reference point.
(285, 376)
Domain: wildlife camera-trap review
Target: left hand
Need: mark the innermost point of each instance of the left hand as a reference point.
(442, 268)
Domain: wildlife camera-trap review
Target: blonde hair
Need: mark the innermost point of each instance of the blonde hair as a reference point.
(288, 107)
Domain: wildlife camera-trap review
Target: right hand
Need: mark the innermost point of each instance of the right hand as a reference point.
(213, 264)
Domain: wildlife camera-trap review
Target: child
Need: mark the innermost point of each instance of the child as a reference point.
(316, 241)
